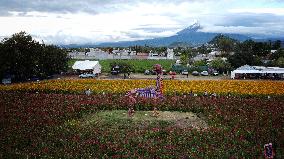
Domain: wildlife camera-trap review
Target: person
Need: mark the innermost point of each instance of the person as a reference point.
(88, 92)
(205, 93)
(214, 95)
(130, 112)
(268, 151)
(191, 94)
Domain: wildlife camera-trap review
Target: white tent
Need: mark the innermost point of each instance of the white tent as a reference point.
(233, 73)
(246, 69)
(87, 65)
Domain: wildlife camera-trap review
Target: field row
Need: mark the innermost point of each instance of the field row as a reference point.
(169, 86)
(60, 126)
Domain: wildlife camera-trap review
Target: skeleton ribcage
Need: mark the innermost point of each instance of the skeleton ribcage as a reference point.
(147, 93)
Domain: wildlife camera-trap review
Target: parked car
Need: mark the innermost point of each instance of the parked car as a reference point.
(87, 75)
(34, 78)
(147, 72)
(184, 72)
(204, 73)
(164, 72)
(115, 70)
(215, 73)
(195, 73)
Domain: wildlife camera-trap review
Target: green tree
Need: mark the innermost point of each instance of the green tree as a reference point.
(199, 63)
(244, 55)
(184, 58)
(123, 67)
(52, 60)
(260, 48)
(220, 65)
(276, 45)
(224, 43)
(279, 53)
(22, 57)
(279, 62)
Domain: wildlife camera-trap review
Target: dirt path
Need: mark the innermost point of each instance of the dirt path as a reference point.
(142, 76)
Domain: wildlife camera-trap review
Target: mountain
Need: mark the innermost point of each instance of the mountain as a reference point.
(188, 36)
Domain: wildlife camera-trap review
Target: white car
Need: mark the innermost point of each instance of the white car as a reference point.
(215, 73)
(87, 75)
(204, 73)
(184, 72)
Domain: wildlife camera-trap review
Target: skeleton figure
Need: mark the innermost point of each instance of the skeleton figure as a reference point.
(148, 92)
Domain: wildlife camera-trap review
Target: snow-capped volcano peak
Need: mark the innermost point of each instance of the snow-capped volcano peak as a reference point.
(192, 28)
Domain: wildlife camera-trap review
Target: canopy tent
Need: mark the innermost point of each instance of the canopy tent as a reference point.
(246, 69)
(87, 65)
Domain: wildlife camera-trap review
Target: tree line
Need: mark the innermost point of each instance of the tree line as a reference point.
(237, 53)
(22, 57)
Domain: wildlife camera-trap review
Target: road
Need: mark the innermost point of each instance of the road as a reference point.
(142, 76)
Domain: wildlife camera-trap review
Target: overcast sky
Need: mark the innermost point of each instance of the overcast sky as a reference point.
(95, 21)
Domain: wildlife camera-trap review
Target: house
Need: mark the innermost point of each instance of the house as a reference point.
(87, 66)
(170, 54)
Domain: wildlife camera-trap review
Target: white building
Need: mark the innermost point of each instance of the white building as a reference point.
(170, 54)
(88, 66)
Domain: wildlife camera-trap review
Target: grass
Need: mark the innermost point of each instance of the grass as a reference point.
(139, 65)
(142, 119)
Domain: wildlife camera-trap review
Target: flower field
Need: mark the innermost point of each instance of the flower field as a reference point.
(170, 86)
(55, 119)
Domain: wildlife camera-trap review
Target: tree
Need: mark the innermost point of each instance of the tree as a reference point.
(279, 53)
(199, 63)
(244, 55)
(279, 62)
(123, 67)
(184, 58)
(22, 57)
(220, 65)
(276, 45)
(203, 49)
(260, 48)
(224, 43)
(52, 60)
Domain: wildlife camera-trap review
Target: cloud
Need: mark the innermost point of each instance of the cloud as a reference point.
(275, 11)
(87, 6)
(94, 21)
(250, 20)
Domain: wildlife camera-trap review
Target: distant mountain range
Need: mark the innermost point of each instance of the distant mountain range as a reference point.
(190, 36)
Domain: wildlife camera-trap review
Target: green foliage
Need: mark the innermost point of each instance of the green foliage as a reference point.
(184, 58)
(203, 50)
(220, 65)
(199, 63)
(276, 45)
(244, 54)
(124, 67)
(224, 43)
(280, 62)
(52, 60)
(279, 53)
(22, 57)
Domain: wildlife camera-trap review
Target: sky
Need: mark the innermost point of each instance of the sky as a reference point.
(96, 21)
